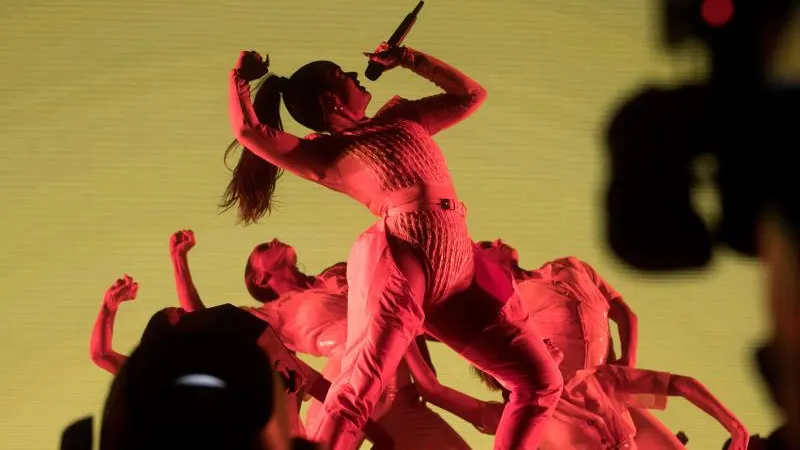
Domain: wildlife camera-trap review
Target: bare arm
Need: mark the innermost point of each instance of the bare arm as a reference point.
(179, 245)
(621, 314)
(460, 404)
(462, 95)
(629, 382)
(100, 350)
(694, 391)
(273, 145)
(103, 355)
(187, 293)
(628, 326)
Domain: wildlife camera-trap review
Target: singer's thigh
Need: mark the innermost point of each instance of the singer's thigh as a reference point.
(510, 349)
(500, 338)
(384, 316)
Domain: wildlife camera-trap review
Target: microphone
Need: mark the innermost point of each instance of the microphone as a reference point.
(375, 69)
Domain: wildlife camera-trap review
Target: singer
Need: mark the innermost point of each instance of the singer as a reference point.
(416, 269)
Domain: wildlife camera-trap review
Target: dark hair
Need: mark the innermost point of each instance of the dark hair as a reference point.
(487, 379)
(253, 181)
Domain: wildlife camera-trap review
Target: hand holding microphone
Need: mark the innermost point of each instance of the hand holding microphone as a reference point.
(391, 51)
(386, 56)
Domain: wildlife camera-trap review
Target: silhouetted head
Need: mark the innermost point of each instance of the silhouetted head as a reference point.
(206, 373)
(502, 253)
(321, 97)
(271, 271)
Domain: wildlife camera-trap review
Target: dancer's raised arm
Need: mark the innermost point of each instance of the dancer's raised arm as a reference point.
(100, 346)
(179, 245)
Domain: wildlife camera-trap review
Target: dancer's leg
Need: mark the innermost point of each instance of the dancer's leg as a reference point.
(386, 291)
(499, 337)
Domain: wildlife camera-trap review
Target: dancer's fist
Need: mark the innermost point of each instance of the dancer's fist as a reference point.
(123, 290)
(181, 242)
(251, 65)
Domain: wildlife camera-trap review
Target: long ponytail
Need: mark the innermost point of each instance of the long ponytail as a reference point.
(253, 180)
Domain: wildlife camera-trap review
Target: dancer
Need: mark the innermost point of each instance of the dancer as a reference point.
(313, 320)
(100, 348)
(603, 397)
(151, 390)
(271, 271)
(571, 304)
(271, 274)
(105, 357)
(417, 266)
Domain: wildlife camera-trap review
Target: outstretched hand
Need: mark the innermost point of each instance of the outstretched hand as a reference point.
(251, 65)
(123, 290)
(388, 57)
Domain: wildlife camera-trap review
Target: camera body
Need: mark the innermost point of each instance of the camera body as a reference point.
(735, 117)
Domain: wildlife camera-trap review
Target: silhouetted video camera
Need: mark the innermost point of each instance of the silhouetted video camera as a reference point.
(736, 117)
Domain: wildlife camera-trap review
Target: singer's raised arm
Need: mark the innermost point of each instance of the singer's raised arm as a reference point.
(282, 149)
(462, 95)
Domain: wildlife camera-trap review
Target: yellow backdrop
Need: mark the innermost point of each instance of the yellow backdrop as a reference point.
(112, 128)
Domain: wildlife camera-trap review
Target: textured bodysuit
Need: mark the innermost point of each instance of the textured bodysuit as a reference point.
(389, 163)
